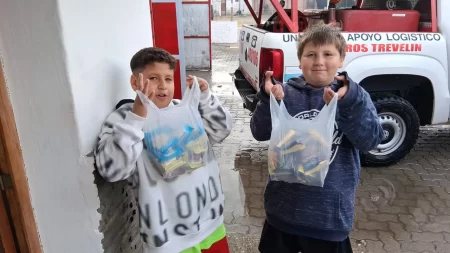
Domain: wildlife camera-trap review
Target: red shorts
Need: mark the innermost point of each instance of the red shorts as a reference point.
(218, 247)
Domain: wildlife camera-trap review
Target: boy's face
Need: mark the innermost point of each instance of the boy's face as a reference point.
(320, 64)
(161, 82)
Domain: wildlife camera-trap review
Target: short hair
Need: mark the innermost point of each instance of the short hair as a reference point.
(148, 56)
(320, 35)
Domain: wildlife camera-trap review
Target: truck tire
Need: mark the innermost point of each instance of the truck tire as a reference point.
(401, 125)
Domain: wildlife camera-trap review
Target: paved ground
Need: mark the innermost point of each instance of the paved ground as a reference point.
(402, 208)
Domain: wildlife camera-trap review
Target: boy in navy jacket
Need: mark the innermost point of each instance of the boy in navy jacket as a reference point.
(309, 219)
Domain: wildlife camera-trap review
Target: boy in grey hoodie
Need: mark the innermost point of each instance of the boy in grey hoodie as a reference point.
(309, 219)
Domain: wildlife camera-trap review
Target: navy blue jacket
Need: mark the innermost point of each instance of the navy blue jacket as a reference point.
(322, 213)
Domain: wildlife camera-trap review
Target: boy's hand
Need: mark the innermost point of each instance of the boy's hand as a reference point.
(138, 107)
(201, 82)
(276, 89)
(328, 93)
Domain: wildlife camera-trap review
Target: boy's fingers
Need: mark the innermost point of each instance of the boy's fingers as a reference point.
(203, 84)
(146, 87)
(342, 91)
(276, 88)
(268, 85)
(273, 89)
(340, 78)
(277, 91)
(343, 79)
(280, 95)
(330, 93)
(189, 81)
(140, 82)
(268, 74)
(150, 94)
(143, 82)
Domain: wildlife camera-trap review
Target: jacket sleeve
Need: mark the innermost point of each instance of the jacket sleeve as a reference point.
(357, 118)
(119, 145)
(261, 121)
(217, 120)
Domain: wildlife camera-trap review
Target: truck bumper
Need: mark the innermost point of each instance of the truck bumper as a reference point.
(246, 91)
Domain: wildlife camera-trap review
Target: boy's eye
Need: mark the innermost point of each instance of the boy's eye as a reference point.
(153, 78)
(168, 79)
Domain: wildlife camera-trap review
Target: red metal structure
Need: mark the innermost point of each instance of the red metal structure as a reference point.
(167, 34)
(351, 17)
(290, 22)
(183, 28)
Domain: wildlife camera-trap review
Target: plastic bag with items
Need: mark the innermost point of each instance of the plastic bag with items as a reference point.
(300, 149)
(174, 137)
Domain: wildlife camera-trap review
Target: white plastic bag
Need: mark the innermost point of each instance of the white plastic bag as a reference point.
(175, 139)
(300, 149)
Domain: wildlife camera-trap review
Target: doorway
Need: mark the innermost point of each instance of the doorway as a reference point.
(18, 231)
(7, 241)
(223, 8)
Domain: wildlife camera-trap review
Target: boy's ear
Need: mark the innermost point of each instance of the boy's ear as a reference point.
(133, 82)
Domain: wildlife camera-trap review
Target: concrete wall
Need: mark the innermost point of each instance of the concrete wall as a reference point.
(67, 65)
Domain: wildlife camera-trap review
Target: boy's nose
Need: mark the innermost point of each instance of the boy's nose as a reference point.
(162, 84)
(318, 62)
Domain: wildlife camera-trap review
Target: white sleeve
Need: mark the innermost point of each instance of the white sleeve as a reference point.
(217, 120)
(120, 144)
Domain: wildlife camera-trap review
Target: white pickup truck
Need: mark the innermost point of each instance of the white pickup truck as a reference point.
(396, 50)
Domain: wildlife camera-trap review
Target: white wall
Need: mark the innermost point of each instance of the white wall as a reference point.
(231, 3)
(224, 32)
(100, 38)
(67, 65)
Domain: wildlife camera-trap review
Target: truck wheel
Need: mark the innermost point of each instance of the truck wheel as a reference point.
(401, 126)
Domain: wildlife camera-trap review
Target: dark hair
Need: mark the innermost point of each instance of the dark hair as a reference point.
(321, 35)
(148, 56)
